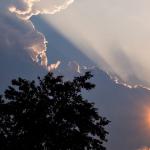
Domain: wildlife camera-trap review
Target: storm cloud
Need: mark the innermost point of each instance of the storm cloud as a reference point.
(19, 31)
(22, 47)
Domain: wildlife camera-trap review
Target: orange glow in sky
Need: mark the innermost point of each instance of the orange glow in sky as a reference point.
(144, 148)
(146, 115)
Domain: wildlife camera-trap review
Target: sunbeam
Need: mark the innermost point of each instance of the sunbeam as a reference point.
(115, 34)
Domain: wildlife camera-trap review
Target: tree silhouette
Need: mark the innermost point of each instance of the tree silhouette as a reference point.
(50, 115)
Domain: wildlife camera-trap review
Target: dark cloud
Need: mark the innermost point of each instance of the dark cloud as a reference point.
(22, 47)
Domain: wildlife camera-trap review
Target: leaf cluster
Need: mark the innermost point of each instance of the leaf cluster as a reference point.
(50, 115)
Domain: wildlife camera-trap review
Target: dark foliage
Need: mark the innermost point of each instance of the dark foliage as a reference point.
(50, 116)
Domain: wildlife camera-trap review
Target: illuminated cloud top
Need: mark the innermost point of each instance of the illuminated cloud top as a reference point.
(21, 33)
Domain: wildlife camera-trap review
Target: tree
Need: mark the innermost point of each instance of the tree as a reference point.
(50, 115)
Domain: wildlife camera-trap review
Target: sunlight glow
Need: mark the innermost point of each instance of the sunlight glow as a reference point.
(144, 148)
(144, 114)
(114, 34)
(147, 116)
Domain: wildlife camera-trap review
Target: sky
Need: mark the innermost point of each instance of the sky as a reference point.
(116, 31)
(109, 37)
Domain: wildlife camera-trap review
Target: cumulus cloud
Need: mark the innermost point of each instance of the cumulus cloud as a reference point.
(54, 66)
(27, 8)
(114, 34)
(74, 66)
(19, 31)
(22, 34)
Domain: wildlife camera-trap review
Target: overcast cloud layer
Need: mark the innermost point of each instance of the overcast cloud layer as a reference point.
(113, 33)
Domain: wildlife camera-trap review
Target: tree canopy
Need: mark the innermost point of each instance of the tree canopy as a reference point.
(50, 114)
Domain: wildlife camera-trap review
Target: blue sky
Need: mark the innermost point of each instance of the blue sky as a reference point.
(113, 36)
